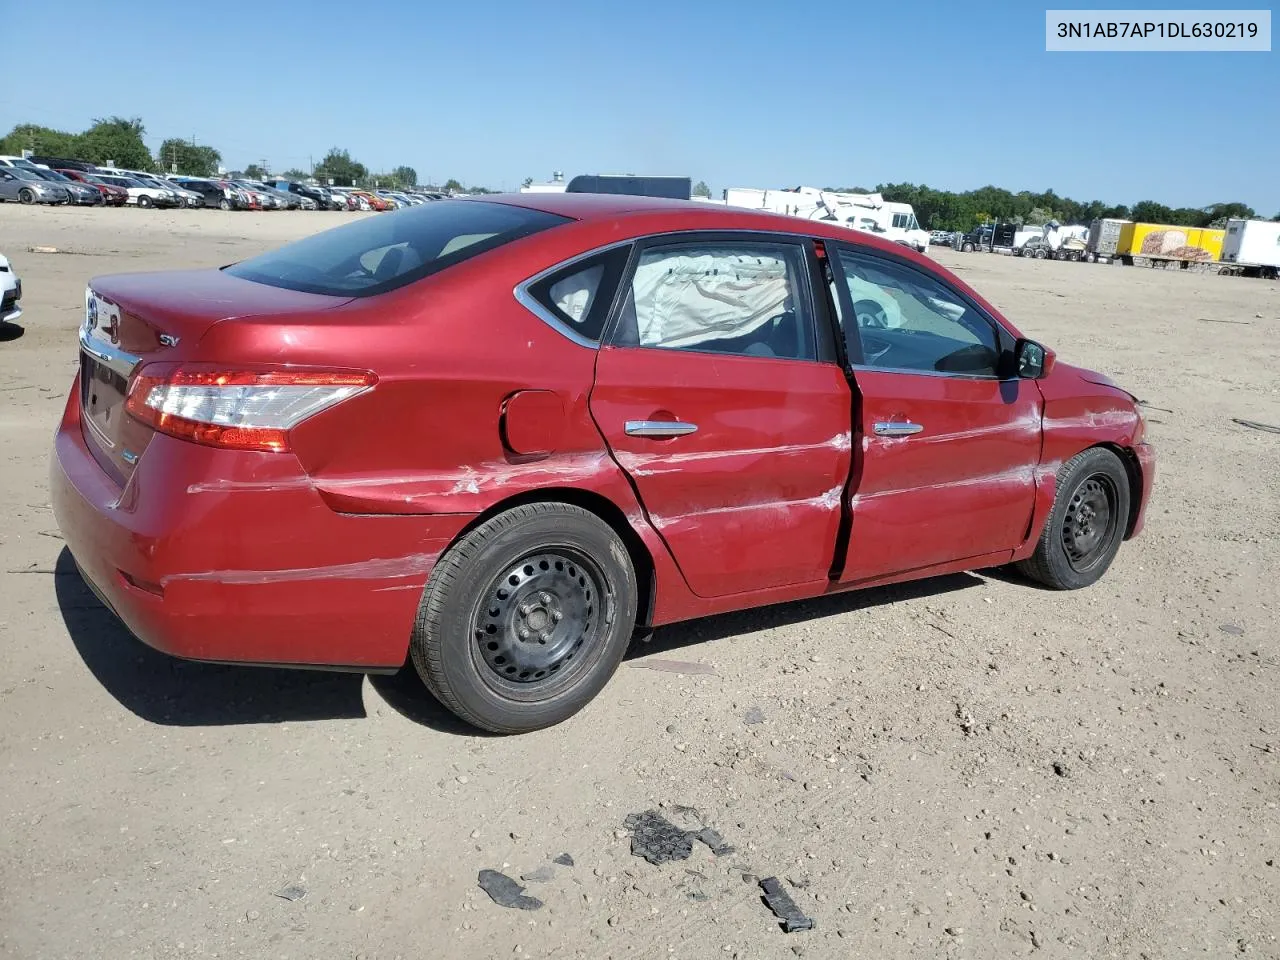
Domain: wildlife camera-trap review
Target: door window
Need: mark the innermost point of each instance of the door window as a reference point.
(905, 320)
(748, 298)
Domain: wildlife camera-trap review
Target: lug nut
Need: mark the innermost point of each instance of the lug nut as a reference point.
(524, 634)
(544, 597)
(524, 609)
(556, 616)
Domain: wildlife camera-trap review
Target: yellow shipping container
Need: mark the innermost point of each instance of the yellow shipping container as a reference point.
(1158, 240)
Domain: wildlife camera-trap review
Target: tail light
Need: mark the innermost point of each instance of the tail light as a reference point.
(237, 408)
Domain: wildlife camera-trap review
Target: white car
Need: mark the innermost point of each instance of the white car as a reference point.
(141, 195)
(10, 291)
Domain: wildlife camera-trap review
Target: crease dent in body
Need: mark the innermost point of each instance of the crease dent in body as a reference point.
(379, 568)
(827, 500)
(638, 464)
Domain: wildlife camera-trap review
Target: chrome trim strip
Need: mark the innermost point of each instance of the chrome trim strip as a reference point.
(111, 357)
(659, 428)
(526, 299)
(871, 368)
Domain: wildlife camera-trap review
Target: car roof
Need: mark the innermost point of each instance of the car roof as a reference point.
(692, 214)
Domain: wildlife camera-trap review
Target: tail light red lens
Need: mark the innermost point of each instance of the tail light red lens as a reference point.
(237, 408)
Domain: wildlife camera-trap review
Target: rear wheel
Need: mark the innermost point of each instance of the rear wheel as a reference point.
(525, 619)
(1086, 525)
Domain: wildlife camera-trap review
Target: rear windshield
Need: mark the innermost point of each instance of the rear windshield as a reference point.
(390, 250)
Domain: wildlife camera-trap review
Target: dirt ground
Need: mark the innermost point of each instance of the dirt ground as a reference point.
(965, 767)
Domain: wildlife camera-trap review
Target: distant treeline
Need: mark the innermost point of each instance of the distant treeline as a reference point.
(945, 210)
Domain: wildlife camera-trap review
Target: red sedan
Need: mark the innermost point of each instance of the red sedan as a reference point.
(496, 437)
(113, 195)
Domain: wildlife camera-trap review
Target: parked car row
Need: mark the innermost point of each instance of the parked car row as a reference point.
(55, 180)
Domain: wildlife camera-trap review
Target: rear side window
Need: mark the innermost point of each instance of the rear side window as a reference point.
(382, 253)
(577, 297)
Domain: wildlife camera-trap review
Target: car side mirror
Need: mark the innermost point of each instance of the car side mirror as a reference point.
(1034, 360)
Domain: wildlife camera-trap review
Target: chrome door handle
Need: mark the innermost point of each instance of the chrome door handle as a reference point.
(659, 428)
(897, 428)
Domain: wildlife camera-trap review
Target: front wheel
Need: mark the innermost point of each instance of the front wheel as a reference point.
(144, 202)
(26, 196)
(1086, 525)
(526, 618)
(224, 204)
(966, 247)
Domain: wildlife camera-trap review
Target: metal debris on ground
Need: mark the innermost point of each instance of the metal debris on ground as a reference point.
(783, 907)
(712, 838)
(1255, 425)
(564, 860)
(292, 892)
(1233, 629)
(753, 716)
(505, 892)
(657, 839)
(673, 666)
(541, 875)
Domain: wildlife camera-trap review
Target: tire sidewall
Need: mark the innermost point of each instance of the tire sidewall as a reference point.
(1098, 461)
(449, 624)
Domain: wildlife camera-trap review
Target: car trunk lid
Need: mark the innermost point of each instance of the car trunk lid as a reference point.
(133, 319)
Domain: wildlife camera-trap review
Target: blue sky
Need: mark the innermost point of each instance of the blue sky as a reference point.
(953, 94)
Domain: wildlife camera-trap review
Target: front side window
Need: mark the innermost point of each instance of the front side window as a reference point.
(374, 256)
(748, 298)
(906, 320)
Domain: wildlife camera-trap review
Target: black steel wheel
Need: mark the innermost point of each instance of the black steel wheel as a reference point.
(536, 617)
(1087, 524)
(526, 617)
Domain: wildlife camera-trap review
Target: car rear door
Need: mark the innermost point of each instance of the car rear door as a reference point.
(718, 394)
(948, 437)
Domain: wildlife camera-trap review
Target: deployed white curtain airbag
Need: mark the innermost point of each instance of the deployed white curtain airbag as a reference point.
(683, 300)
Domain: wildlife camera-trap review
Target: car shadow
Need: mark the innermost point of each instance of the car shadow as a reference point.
(173, 692)
(11, 331)
(676, 636)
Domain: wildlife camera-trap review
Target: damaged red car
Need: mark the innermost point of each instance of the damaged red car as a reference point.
(497, 437)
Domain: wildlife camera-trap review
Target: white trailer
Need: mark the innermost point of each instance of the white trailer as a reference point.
(869, 212)
(1251, 248)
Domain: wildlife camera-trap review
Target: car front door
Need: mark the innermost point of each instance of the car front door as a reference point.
(718, 395)
(948, 436)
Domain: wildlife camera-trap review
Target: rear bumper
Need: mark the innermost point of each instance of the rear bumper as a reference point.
(1146, 455)
(233, 557)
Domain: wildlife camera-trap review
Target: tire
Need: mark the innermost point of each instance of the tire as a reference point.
(1074, 551)
(144, 202)
(224, 204)
(556, 572)
(26, 196)
(966, 247)
(1040, 253)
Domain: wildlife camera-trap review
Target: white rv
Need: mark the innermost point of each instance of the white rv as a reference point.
(868, 212)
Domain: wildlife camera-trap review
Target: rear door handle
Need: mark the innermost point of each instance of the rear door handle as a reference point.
(659, 428)
(897, 428)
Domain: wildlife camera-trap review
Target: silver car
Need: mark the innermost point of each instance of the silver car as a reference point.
(17, 183)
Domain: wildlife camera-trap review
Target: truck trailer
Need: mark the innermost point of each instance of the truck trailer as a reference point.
(1251, 249)
(1164, 245)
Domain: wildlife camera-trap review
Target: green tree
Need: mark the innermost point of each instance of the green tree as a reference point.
(1149, 211)
(453, 186)
(338, 167)
(40, 140)
(526, 182)
(295, 174)
(700, 189)
(180, 156)
(254, 172)
(118, 140)
(405, 176)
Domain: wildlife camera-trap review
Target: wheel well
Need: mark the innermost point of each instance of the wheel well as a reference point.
(1133, 470)
(610, 513)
